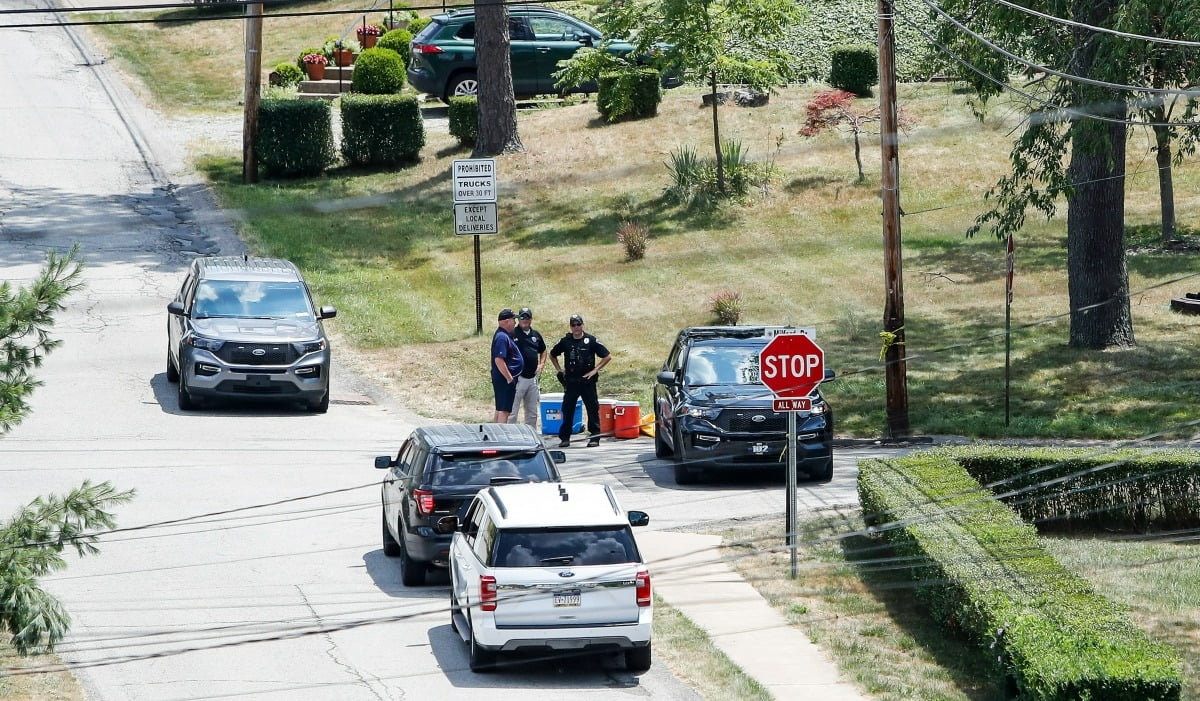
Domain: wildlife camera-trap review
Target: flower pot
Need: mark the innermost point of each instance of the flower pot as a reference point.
(344, 57)
(316, 71)
(367, 40)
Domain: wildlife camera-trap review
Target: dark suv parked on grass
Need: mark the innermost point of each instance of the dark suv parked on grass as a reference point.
(711, 409)
(437, 472)
(442, 59)
(246, 329)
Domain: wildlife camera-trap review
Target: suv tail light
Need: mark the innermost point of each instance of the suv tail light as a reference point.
(426, 49)
(487, 592)
(424, 499)
(643, 588)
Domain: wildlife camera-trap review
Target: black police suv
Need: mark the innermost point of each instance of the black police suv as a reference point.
(711, 409)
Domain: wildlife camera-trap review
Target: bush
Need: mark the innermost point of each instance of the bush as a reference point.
(727, 306)
(629, 94)
(695, 179)
(632, 235)
(289, 74)
(381, 129)
(854, 68)
(464, 119)
(983, 571)
(415, 26)
(378, 72)
(295, 137)
(397, 40)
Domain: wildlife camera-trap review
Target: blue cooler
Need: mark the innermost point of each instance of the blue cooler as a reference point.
(552, 414)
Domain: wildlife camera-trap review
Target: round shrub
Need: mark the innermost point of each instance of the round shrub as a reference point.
(415, 26)
(289, 74)
(378, 72)
(854, 68)
(397, 40)
(310, 50)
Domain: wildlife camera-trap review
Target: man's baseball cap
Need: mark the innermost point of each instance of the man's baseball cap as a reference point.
(506, 313)
(525, 313)
(576, 319)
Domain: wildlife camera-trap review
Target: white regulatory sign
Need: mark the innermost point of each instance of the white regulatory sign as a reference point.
(475, 218)
(474, 180)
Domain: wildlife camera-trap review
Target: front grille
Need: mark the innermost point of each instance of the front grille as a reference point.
(257, 353)
(751, 421)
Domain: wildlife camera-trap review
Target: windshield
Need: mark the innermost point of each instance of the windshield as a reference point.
(481, 470)
(258, 300)
(540, 547)
(722, 365)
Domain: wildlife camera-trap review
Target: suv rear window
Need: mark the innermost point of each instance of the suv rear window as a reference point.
(541, 547)
(487, 468)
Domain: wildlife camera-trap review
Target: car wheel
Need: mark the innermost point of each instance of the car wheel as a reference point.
(172, 373)
(661, 449)
(322, 406)
(390, 547)
(463, 85)
(825, 473)
(480, 660)
(638, 659)
(412, 572)
(685, 475)
(186, 402)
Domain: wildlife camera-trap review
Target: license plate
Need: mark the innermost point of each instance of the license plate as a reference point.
(566, 598)
(759, 448)
(258, 380)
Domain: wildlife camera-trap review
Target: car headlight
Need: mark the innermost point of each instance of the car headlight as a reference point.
(818, 408)
(204, 343)
(702, 412)
(311, 346)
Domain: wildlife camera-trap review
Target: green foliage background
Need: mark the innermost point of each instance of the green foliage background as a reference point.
(835, 22)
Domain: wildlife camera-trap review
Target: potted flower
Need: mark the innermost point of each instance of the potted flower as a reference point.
(398, 18)
(314, 65)
(342, 50)
(368, 34)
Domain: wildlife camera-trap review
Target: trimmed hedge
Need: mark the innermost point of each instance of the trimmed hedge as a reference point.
(397, 40)
(295, 137)
(983, 571)
(378, 72)
(381, 129)
(631, 94)
(464, 119)
(1074, 488)
(854, 68)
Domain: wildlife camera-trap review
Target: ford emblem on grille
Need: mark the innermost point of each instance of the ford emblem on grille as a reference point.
(259, 352)
(566, 573)
(758, 418)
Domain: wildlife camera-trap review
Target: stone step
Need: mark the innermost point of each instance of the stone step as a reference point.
(326, 86)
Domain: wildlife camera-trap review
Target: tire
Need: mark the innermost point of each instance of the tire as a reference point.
(824, 474)
(172, 373)
(462, 85)
(661, 449)
(638, 659)
(481, 661)
(321, 406)
(390, 547)
(684, 475)
(186, 402)
(412, 572)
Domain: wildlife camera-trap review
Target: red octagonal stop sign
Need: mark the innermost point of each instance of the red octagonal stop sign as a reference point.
(791, 366)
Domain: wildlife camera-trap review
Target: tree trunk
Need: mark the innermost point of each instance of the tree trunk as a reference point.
(497, 106)
(1166, 186)
(858, 157)
(1097, 279)
(717, 136)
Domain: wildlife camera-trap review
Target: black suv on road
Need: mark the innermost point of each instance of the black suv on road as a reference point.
(711, 409)
(245, 328)
(437, 472)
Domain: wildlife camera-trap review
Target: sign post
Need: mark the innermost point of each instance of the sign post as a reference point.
(475, 191)
(791, 366)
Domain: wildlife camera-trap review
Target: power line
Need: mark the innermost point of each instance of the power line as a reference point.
(1100, 30)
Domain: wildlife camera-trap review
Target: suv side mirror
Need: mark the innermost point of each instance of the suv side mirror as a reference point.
(383, 462)
(666, 378)
(175, 308)
(829, 374)
(639, 518)
(446, 525)
(328, 312)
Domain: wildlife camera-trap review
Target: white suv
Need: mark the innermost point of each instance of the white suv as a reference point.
(552, 567)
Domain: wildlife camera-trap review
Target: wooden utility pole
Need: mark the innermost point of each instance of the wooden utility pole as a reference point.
(893, 268)
(254, 23)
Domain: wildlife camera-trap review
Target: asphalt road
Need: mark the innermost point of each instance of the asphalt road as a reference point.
(249, 563)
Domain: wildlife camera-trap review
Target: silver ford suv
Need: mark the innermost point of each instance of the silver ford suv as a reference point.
(245, 328)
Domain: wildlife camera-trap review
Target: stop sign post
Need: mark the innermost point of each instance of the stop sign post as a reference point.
(791, 366)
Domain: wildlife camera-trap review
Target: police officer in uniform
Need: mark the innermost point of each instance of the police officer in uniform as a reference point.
(578, 373)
